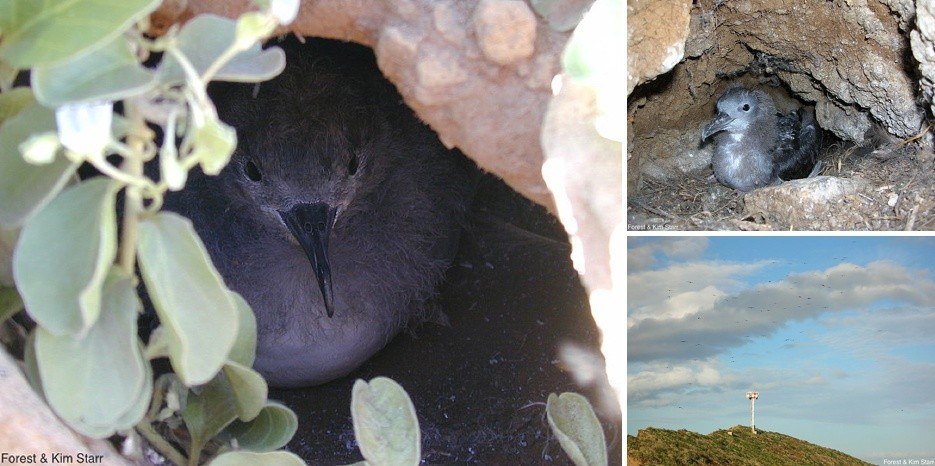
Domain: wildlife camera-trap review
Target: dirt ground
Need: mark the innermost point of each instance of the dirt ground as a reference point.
(478, 385)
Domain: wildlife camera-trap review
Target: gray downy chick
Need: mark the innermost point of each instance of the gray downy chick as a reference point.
(754, 145)
(337, 216)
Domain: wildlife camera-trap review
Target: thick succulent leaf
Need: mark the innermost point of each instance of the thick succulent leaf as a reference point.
(249, 389)
(110, 73)
(270, 430)
(385, 422)
(7, 74)
(158, 344)
(14, 101)
(214, 143)
(10, 303)
(94, 381)
(30, 366)
(244, 350)
(8, 239)
(193, 304)
(63, 256)
(203, 39)
(577, 428)
(209, 411)
(249, 458)
(40, 33)
(26, 188)
(139, 407)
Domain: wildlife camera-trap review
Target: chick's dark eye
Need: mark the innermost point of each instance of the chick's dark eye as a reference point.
(746, 107)
(252, 171)
(352, 165)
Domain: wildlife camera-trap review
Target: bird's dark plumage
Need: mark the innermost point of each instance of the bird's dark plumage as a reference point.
(754, 145)
(333, 176)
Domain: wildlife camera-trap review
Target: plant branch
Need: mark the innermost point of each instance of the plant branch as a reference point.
(160, 444)
(191, 75)
(133, 204)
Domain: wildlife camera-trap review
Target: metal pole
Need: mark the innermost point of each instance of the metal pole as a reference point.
(753, 414)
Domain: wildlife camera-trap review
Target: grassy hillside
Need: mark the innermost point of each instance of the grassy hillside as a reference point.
(734, 446)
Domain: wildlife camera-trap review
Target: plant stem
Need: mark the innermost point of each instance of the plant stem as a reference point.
(117, 174)
(133, 203)
(219, 63)
(159, 444)
(194, 455)
(191, 76)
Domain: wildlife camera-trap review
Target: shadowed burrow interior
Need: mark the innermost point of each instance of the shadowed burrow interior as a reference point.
(850, 66)
(486, 350)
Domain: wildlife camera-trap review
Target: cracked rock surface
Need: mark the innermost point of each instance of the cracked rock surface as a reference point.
(478, 73)
(850, 60)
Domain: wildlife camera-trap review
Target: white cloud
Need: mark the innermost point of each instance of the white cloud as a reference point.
(650, 287)
(654, 380)
(685, 248)
(642, 256)
(663, 326)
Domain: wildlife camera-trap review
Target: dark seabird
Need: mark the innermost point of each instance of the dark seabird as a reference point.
(337, 216)
(755, 146)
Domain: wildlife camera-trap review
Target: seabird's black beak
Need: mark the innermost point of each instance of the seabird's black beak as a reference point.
(719, 123)
(311, 226)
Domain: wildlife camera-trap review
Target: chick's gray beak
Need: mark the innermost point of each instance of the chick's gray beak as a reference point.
(311, 226)
(719, 123)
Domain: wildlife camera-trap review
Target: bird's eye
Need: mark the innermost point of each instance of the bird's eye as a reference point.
(352, 165)
(746, 107)
(252, 171)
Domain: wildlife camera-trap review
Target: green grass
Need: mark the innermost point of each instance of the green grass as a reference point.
(734, 446)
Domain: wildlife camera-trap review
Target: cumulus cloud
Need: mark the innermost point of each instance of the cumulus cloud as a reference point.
(648, 288)
(642, 256)
(717, 320)
(650, 385)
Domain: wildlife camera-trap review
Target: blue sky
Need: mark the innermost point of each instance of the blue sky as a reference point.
(836, 333)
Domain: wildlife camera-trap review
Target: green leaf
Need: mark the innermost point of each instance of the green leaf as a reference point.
(203, 39)
(39, 33)
(244, 350)
(10, 303)
(14, 101)
(139, 407)
(158, 344)
(251, 27)
(94, 381)
(213, 143)
(249, 458)
(26, 188)
(111, 72)
(7, 75)
(270, 430)
(63, 254)
(8, 240)
(249, 390)
(577, 428)
(190, 298)
(385, 422)
(208, 411)
(30, 366)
